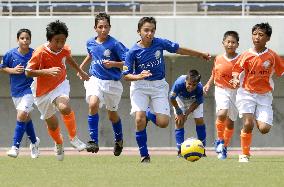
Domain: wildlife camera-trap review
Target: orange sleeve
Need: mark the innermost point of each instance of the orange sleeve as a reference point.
(68, 50)
(239, 66)
(34, 62)
(279, 66)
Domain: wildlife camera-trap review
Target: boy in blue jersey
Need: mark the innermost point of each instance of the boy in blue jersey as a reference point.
(107, 56)
(145, 67)
(187, 98)
(14, 63)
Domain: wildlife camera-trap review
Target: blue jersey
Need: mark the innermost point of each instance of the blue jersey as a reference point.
(19, 83)
(150, 58)
(179, 90)
(111, 50)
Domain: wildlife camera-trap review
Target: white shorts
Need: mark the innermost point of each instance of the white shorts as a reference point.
(226, 99)
(108, 91)
(184, 104)
(45, 103)
(145, 93)
(258, 104)
(24, 103)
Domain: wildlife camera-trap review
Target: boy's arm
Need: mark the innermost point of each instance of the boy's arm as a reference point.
(131, 77)
(86, 61)
(191, 52)
(208, 84)
(191, 108)
(16, 70)
(81, 72)
(113, 64)
(54, 71)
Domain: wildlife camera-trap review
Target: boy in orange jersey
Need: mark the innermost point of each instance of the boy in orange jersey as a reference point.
(254, 97)
(50, 86)
(225, 93)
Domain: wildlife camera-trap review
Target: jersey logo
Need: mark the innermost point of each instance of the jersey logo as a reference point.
(157, 54)
(107, 53)
(266, 64)
(125, 68)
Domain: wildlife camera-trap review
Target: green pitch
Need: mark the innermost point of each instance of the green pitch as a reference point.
(127, 171)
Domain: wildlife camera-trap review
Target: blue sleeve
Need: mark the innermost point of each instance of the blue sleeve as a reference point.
(169, 45)
(6, 60)
(128, 64)
(199, 95)
(174, 91)
(120, 50)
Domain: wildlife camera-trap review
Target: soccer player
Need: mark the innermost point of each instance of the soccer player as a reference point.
(14, 63)
(186, 98)
(145, 67)
(50, 87)
(107, 56)
(225, 93)
(254, 97)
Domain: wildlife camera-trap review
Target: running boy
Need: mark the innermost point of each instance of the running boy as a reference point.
(186, 97)
(254, 97)
(14, 63)
(225, 93)
(145, 67)
(107, 56)
(50, 86)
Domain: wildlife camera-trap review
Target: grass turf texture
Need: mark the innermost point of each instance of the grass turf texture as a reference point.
(128, 171)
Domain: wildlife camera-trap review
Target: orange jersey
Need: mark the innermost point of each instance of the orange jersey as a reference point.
(44, 58)
(258, 70)
(222, 71)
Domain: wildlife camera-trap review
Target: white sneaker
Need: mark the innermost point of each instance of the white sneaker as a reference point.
(59, 151)
(78, 144)
(220, 147)
(244, 158)
(34, 148)
(13, 152)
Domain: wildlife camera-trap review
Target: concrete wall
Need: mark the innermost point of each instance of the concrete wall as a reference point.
(189, 31)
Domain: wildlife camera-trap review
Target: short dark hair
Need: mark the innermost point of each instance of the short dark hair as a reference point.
(263, 26)
(55, 28)
(193, 75)
(24, 30)
(102, 16)
(146, 20)
(231, 33)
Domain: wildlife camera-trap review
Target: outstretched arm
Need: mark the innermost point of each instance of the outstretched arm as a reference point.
(208, 84)
(191, 52)
(81, 72)
(144, 74)
(113, 64)
(16, 70)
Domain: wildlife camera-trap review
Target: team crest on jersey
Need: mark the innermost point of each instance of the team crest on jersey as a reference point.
(125, 68)
(266, 64)
(157, 54)
(107, 53)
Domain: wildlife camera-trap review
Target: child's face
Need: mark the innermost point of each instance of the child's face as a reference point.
(57, 42)
(230, 44)
(147, 32)
(259, 38)
(102, 29)
(24, 40)
(190, 84)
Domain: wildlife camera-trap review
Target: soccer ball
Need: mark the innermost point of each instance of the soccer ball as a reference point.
(192, 149)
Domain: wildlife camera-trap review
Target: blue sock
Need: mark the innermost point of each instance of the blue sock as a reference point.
(30, 131)
(141, 139)
(201, 133)
(179, 137)
(93, 121)
(19, 132)
(117, 130)
(150, 116)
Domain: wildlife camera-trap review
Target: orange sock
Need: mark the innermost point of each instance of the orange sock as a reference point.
(70, 123)
(246, 139)
(55, 135)
(220, 126)
(228, 133)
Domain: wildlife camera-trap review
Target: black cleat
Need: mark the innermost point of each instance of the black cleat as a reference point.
(145, 159)
(179, 155)
(92, 146)
(118, 146)
(204, 155)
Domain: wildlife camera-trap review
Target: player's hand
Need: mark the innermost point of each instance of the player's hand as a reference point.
(108, 64)
(206, 89)
(83, 75)
(235, 82)
(19, 69)
(180, 119)
(54, 71)
(144, 74)
(205, 56)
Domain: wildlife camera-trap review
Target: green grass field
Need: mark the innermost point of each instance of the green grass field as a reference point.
(127, 171)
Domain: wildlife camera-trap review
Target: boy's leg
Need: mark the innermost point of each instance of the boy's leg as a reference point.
(229, 131)
(246, 136)
(34, 146)
(117, 131)
(18, 135)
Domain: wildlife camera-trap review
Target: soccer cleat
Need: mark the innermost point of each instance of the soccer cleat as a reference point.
(244, 158)
(92, 146)
(219, 146)
(78, 144)
(59, 152)
(223, 154)
(145, 159)
(179, 154)
(13, 152)
(34, 148)
(204, 154)
(118, 146)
